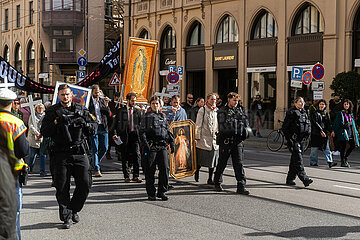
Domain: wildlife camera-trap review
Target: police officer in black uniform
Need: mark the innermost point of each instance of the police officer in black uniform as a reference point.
(156, 136)
(232, 132)
(297, 129)
(68, 124)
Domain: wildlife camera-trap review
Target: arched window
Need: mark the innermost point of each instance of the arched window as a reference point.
(18, 61)
(227, 31)
(6, 53)
(307, 21)
(168, 39)
(264, 27)
(144, 34)
(44, 64)
(197, 35)
(30, 56)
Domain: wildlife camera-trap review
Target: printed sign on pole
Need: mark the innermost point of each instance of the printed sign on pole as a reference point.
(80, 75)
(307, 78)
(82, 61)
(173, 77)
(172, 68)
(180, 70)
(297, 73)
(318, 95)
(296, 84)
(318, 71)
(318, 86)
(115, 81)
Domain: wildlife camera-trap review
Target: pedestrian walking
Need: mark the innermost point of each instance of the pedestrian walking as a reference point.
(232, 125)
(257, 109)
(17, 145)
(156, 137)
(206, 148)
(114, 105)
(297, 129)
(176, 112)
(126, 126)
(344, 129)
(99, 141)
(320, 132)
(187, 105)
(192, 113)
(35, 140)
(8, 204)
(69, 124)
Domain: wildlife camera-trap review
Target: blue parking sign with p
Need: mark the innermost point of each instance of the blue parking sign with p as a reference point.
(297, 73)
(172, 68)
(180, 70)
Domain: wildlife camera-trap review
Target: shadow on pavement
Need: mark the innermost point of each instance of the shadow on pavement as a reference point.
(39, 226)
(312, 232)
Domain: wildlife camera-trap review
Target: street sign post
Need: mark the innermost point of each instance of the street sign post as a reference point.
(172, 68)
(318, 86)
(297, 73)
(80, 75)
(317, 95)
(82, 61)
(307, 78)
(318, 71)
(82, 52)
(115, 81)
(296, 84)
(173, 77)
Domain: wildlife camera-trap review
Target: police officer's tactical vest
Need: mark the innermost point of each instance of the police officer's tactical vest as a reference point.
(302, 122)
(14, 127)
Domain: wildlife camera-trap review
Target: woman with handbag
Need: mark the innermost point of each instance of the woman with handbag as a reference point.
(345, 130)
(206, 148)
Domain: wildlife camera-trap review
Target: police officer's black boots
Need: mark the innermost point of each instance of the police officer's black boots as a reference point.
(242, 190)
(290, 182)
(162, 196)
(67, 224)
(307, 182)
(75, 218)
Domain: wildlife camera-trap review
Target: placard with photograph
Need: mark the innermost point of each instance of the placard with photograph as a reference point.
(81, 95)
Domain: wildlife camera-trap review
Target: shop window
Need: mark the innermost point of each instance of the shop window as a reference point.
(265, 27)
(227, 31)
(308, 20)
(168, 39)
(197, 35)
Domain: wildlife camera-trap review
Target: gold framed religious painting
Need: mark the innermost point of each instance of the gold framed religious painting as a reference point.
(139, 68)
(183, 159)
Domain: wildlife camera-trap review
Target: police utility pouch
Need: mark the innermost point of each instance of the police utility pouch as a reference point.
(23, 175)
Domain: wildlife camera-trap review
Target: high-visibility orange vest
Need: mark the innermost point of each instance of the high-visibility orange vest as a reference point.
(14, 127)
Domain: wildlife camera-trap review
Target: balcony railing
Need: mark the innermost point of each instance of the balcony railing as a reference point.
(63, 19)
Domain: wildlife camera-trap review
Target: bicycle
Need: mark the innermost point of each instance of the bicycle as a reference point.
(276, 139)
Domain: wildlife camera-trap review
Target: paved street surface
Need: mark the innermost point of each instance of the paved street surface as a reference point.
(328, 209)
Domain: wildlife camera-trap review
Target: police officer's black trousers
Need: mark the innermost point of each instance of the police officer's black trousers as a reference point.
(67, 165)
(296, 167)
(236, 151)
(130, 154)
(161, 158)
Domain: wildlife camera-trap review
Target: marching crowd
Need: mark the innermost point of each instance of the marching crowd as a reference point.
(65, 132)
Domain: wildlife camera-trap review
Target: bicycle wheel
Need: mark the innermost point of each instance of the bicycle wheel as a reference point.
(275, 140)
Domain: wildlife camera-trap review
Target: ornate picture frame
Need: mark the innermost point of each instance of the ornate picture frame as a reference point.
(183, 160)
(81, 95)
(139, 68)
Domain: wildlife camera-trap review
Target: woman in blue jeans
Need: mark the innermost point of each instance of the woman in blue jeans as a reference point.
(35, 139)
(320, 131)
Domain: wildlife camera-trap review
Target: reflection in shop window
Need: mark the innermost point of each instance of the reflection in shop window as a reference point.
(144, 34)
(265, 27)
(309, 20)
(169, 39)
(197, 35)
(18, 62)
(47, 5)
(6, 53)
(227, 31)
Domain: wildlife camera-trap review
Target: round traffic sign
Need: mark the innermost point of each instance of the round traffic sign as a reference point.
(307, 78)
(173, 77)
(318, 71)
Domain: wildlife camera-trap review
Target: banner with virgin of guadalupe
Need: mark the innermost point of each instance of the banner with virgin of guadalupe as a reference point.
(139, 68)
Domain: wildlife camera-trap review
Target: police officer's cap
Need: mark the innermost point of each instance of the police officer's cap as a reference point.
(7, 95)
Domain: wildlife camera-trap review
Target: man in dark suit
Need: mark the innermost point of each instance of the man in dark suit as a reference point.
(126, 126)
(99, 141)
(113, 105)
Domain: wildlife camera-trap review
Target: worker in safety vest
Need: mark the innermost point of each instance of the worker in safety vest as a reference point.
(17, 143)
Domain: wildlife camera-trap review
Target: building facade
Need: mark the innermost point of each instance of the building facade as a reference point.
(42, 39)
(248, 46)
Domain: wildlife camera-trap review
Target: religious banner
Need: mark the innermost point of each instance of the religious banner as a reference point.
(79, 94)
(109, 63)
(139, 68)
(183, 160)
